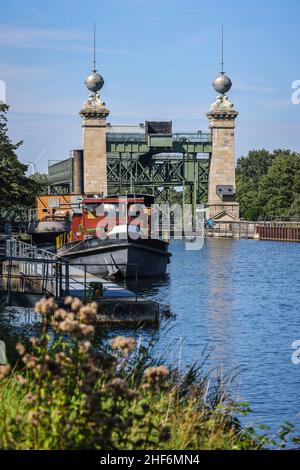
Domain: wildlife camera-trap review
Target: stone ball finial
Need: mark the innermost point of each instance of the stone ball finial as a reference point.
(222, 83)
(94, 82)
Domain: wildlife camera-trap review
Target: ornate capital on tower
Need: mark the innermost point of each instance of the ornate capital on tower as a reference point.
(94, 108)
(94, 114)
(222, 204)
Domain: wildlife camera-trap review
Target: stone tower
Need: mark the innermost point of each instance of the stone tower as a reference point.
(94, 114)
(221, 202)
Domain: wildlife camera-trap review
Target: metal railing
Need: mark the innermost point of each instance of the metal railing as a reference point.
(17, 248)
(35, 276)
(125, 137)
(57, 279)
(192, 137)
(48, 274)
(34, 265)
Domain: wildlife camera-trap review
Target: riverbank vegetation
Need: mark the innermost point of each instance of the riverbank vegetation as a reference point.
(64, 393)
(268, 185)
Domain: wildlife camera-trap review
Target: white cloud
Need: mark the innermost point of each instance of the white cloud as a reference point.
(240, 86)
(21, 71)
(21, 37)
(55, 39)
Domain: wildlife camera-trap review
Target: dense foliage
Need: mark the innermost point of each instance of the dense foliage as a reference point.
(268, 184)
(17, 192)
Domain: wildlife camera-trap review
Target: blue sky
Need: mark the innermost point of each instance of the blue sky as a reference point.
(158, 59)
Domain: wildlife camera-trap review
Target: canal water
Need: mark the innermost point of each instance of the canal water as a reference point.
(240, 300)
(237, 300)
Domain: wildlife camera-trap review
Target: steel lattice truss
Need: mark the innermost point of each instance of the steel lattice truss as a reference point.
(157, 174)
(154, 164)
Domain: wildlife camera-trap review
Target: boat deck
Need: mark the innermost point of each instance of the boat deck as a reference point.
(77, 280)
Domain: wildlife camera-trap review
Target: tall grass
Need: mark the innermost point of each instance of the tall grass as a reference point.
(63, 395)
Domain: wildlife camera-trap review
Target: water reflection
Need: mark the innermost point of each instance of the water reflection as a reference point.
(17, 324)
(147, 286)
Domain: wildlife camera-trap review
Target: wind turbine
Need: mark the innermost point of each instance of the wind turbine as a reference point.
(34, 163)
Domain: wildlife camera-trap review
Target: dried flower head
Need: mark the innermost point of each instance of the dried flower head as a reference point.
(123, 343)
(69, 326)
(30, 361)
(84, 347)
(20, 379)
(88, 312)
(30, 397)
(60, 356)
(46, 307)
(165, 434)
(76, 304)
(33, 417)
(5, 370)
(119, 387)
(154, 376)
(60, 314)
(68, 300)
(86, 329)
(34, 341)
(20, 349)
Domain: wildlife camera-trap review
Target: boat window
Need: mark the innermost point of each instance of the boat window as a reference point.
(91, 210)
(97, 210)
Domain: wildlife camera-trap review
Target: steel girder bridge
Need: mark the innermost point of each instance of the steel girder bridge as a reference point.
(153, 163)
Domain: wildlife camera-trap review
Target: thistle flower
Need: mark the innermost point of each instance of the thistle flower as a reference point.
(45, 307)
(21, 380)
(69, 326)
(33, 417)
(86, 329)
(70, 316)
(132, 394)
(68, 300)
(30, 398)
(4, 371)
(118, 386)
(125, 344)
(153, 376)
(165, 434)
(59, 357)
(84, 347)
(76, 304)
(154, 372)
(20, 349)
(34, 341)
(60, 314)
(30, 361)
(88, 312)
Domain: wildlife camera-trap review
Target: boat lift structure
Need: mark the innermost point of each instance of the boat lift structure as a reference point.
(138, 161)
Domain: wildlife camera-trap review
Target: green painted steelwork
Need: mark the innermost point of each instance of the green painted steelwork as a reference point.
(61, 172)
(155, 166)
(158, 172)
(197, 142)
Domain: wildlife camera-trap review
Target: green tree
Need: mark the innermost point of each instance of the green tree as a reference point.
(16, 190)
(279, 189)
(249, 170)
(42, 182)
(268, 184)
